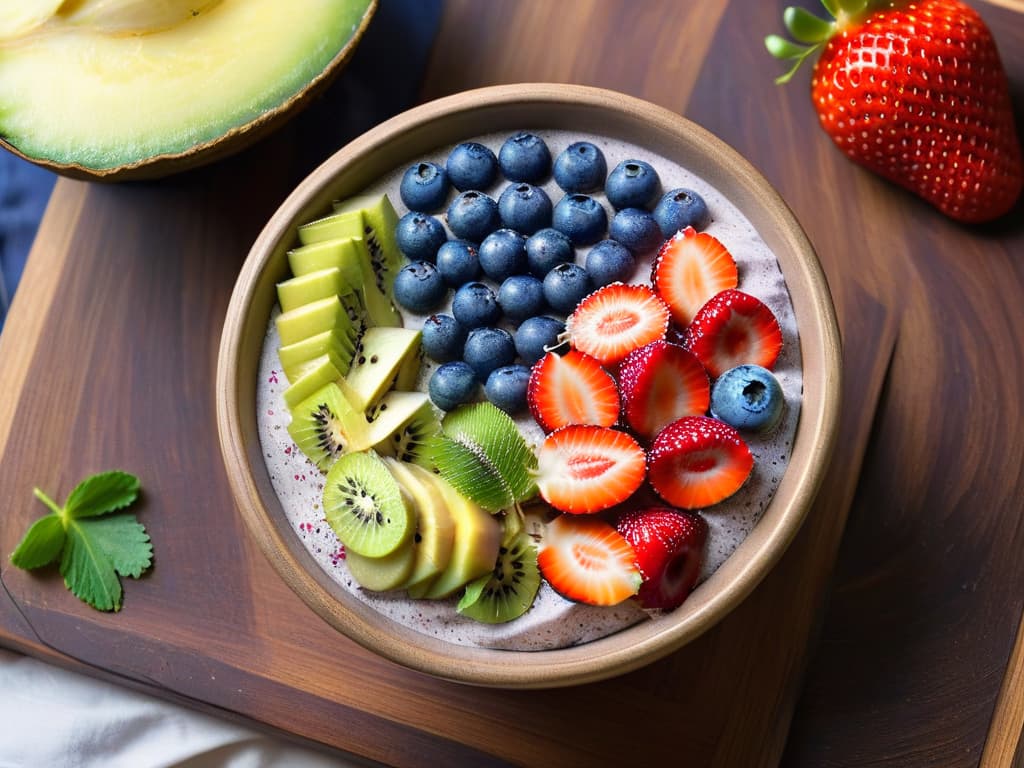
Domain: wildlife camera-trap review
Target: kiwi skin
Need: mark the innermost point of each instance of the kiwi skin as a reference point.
(365, 506)
(510, 589)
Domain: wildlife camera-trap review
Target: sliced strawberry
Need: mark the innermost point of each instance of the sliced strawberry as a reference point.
(691, 268)
(586, 560)
(734, 328)
(660, 383)
(669, 547)
(584, 469)
(696, 462)
(571, 389)
(614, 320)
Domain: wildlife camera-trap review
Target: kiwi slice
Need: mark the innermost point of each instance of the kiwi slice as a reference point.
(340, 253)
(482, 454)
(402, 425)
(310, 377)
(325, 426)
(295, 357)
(378, 358)
(305, 289)
(328, 314)
(378, 220)
(365, 507)
(382, 574)
(509, 590)
(434, 539)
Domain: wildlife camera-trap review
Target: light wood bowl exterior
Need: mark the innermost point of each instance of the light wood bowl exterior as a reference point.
(232, 141)
(402, 140)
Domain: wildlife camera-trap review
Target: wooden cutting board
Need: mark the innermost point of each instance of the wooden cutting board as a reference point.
(107, 361)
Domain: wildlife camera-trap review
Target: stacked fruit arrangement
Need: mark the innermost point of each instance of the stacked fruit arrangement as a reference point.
(616, 372)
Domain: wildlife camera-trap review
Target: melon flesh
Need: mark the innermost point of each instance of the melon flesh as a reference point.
(76, 92)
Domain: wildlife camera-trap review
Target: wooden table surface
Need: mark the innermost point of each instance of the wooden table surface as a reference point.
(892, 642)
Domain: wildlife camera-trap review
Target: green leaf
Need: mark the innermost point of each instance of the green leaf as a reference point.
(41, 544)
(781, 48)
(832, 6)
(102, 493)
(783, 79)
(123, 539)
(852, 7)
(87, 570)
(806, 27)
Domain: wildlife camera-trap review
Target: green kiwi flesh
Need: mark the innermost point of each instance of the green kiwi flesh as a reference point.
(314, 286)
(295, 357)
(402, 425)
(509, 590)
(382, 574)
(378, 220)
(311, 377)
(328, 314)
(325, 426)
(435, 527)
(378, 358)
(365, 507)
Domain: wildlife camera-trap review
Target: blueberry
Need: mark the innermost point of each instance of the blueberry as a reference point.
(443, 338)
(459, 262)
(607, 262)
(566, 286)
(580, 168)
(546, 249)
(452, 384)
(471, 166)
(487, 349)
(748, 397)
(473, 216)
(636, 229)
(525, 208)
(536, 333)
(679, 209)
(475, 305)
(633, 184)
(424, 187)
(580, 218)
(419, 287)
(503, 253)
(520, 297)
(506, 387)
(419, 236)
(525, 157)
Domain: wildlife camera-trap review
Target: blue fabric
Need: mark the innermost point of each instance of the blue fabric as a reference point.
(382, 79)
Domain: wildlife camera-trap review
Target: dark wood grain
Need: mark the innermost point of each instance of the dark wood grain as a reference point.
(108, 360)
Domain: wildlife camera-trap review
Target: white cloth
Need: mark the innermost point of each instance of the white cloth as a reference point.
(53, 718)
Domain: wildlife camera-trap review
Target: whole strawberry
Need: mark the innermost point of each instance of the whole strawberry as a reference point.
(669, 548)
(914, 91)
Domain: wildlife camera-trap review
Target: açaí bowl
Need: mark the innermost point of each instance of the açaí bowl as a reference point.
(401, 141)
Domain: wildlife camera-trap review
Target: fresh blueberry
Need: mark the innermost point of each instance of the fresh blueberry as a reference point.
(525, 157)
(424, 187)
(473, 216)
(487, 349)
(580, 167)
(607, 262)
(565, 286)
(536, 335)
(580, 218)
(547, 249)
(503, 253)
(633, 184)
(520, 297)
(471, 166)
(748, 397)
(636, 229)
(506, 387)
(679, 209)
(419, 236)
(443, 338)
(525, 208)
(452, 384)
(475, 305)
(419, 287)
(459, 262)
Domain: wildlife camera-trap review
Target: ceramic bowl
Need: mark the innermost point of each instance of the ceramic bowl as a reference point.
(401, 141)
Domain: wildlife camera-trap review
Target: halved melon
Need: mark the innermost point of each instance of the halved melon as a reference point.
(140, 88)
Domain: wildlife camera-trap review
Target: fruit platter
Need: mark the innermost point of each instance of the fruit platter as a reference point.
(528, 391)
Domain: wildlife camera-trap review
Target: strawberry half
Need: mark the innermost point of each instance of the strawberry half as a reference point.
(571, 389)
(614, 320)
(915, 92)
(691, 268)
(696, 462)
(669, 547)
(734, 328)
(584, 469)
(660, 383)
(586, 560)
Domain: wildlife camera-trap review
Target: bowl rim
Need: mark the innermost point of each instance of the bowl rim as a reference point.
(629, 648)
